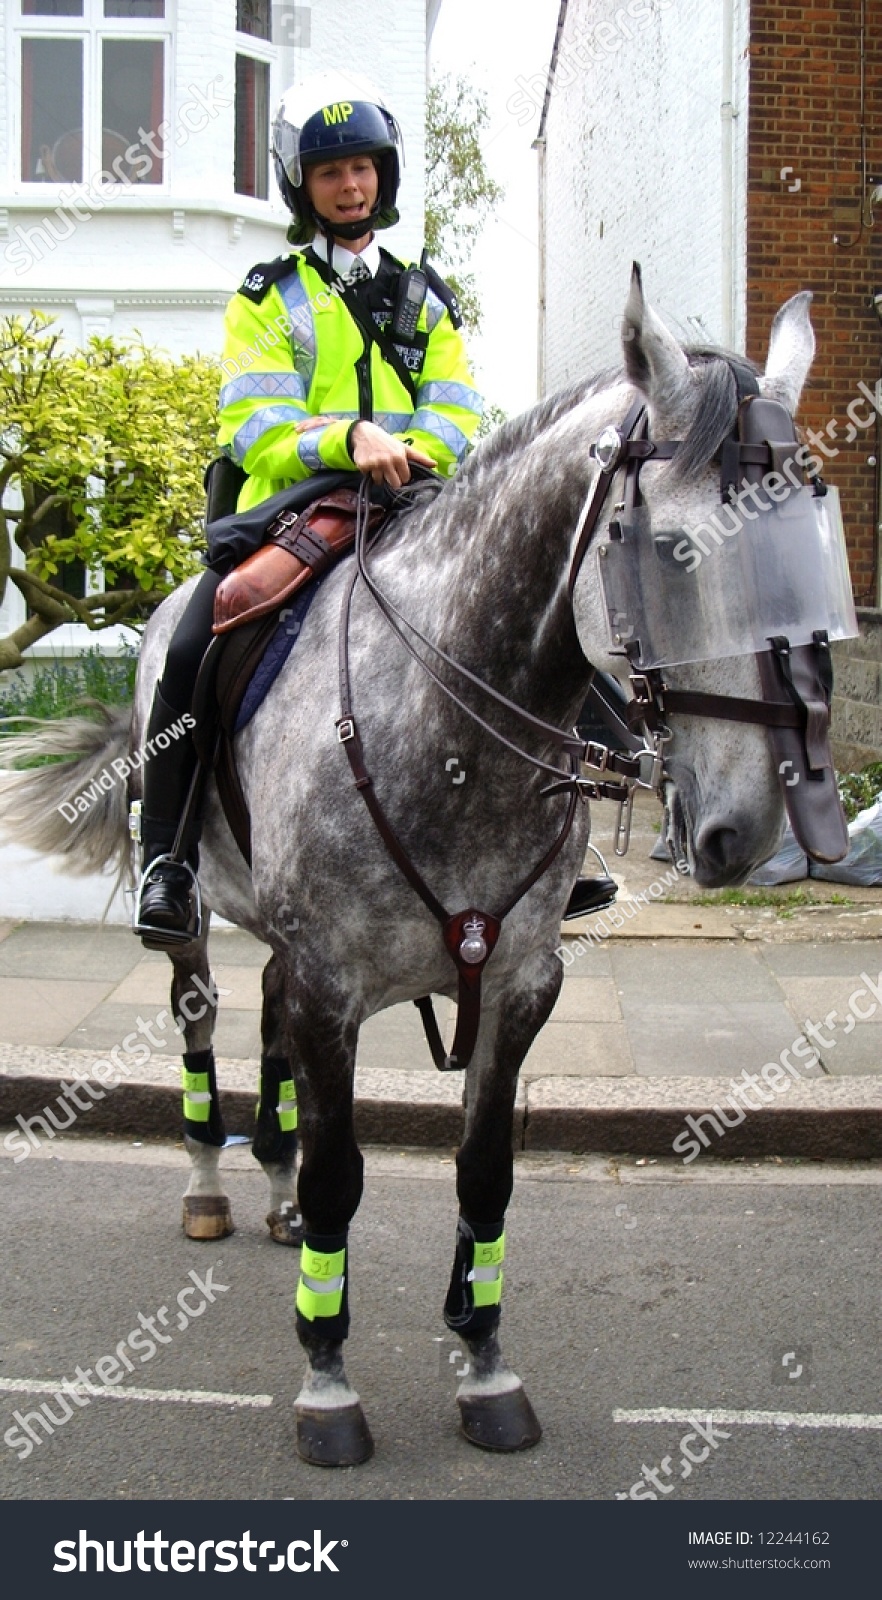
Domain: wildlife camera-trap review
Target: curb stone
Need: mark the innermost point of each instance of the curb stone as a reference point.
(827, 1118)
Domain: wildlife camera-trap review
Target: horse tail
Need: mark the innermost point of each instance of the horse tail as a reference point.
(75, 803)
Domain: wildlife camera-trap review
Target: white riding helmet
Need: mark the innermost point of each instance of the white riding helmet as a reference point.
(328, 117)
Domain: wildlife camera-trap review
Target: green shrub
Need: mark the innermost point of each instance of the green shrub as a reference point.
(58, 688)
(857, 790)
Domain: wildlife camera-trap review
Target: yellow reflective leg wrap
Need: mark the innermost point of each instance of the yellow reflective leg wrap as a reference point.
(486, 1276)
(320, 1290)
(287, 1106)
(197, 1096)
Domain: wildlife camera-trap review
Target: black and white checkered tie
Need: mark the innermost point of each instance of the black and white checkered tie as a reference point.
(358, 272)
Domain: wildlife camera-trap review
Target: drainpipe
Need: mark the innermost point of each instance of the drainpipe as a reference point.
(539, 145)
(727, 186)
(541, 151)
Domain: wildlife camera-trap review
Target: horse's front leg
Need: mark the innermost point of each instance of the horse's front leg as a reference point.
(207, 1212)
(331, 1427)
(275, 1137)
(494, 1408)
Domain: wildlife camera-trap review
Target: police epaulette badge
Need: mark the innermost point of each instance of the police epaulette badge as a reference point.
(262, 277)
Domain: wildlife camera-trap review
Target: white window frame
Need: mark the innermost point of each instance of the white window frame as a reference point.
(267, 52)
(93, 28)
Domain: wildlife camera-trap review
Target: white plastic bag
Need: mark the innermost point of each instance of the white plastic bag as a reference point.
(863, 864)
(788, 865)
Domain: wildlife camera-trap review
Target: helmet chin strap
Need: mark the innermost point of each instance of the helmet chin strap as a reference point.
(336, 231)
(346, 230)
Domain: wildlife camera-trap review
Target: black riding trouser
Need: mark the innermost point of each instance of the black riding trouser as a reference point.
(189, 642)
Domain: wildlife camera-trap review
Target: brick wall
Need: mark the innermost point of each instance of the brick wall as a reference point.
(857, 698)
(805, 117)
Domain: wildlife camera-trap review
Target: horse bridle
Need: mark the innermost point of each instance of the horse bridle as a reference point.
(470, 935)
(796, 679)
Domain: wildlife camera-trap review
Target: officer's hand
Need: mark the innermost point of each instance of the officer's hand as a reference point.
(385, 459)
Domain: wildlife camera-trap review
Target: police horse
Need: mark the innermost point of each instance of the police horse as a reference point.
(617, 526)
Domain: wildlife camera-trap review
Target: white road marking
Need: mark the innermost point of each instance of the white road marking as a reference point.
(192, 1397)
(859, 1421)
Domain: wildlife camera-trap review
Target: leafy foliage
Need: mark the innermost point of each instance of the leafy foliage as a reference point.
(857, 790)
(106, 448)
(460, 193)
(58, 688)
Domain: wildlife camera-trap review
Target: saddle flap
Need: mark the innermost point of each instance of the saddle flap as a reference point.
(299, 546)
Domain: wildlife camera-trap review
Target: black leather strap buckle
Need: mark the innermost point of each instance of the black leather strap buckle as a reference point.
(345, 729)
(642, 690)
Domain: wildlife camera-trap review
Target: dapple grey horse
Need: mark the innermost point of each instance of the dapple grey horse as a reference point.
(482, 569)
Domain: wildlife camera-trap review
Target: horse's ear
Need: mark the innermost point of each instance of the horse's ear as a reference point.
(654, 361)
(791, 348)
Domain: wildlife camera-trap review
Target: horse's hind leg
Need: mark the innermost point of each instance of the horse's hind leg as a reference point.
(494, 1408)
(275, 1137)
(194, 1004)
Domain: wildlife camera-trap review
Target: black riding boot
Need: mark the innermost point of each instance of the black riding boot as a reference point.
(168, 911)
(590, 894)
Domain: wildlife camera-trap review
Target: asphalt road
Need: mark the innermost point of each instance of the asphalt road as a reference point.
(630, 1290)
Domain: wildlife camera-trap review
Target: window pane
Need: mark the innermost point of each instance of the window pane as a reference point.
(59, 523)
(131, 89)
(52, 8)
(52, 110)
(251, 171)
(134, 8)
(253, 16)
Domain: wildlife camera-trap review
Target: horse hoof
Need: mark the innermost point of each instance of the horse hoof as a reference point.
(499, 1421)
(207, 1216)
(333, 1436)
(286, 1226)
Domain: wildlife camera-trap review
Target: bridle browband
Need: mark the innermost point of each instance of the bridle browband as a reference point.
(470, 935)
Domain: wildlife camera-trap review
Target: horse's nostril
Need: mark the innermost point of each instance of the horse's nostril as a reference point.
(720, 857)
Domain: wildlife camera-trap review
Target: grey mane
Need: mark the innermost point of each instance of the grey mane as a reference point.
(716, 415)
(713, 419)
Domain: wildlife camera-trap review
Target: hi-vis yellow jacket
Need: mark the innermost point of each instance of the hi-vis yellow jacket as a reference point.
(290, 353)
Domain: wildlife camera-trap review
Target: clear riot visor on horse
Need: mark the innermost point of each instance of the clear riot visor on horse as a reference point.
(758, 568)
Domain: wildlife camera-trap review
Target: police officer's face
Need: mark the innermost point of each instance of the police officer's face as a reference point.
(343, 191)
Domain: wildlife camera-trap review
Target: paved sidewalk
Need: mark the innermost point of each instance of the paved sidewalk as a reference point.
(649, 1027)
(648, 1007)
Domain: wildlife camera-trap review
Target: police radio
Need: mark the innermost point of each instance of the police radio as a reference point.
(412, 289)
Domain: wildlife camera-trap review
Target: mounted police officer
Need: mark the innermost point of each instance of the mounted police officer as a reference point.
(336, 357)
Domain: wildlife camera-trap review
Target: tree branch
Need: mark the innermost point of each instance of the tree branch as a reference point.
(12, 646)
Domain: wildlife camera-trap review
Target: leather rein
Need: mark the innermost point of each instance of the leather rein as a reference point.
(470, 935)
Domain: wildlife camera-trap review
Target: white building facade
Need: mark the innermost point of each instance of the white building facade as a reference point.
(135, 184)
(633, 88)
(136, 187)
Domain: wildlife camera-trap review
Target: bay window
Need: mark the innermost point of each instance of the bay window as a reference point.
(93, 90)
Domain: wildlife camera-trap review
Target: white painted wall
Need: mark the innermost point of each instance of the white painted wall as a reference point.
(637, 167)
(164, 259)
(33, 889)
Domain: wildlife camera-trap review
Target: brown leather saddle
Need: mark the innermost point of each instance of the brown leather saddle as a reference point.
(300, 546)
(291, 545)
